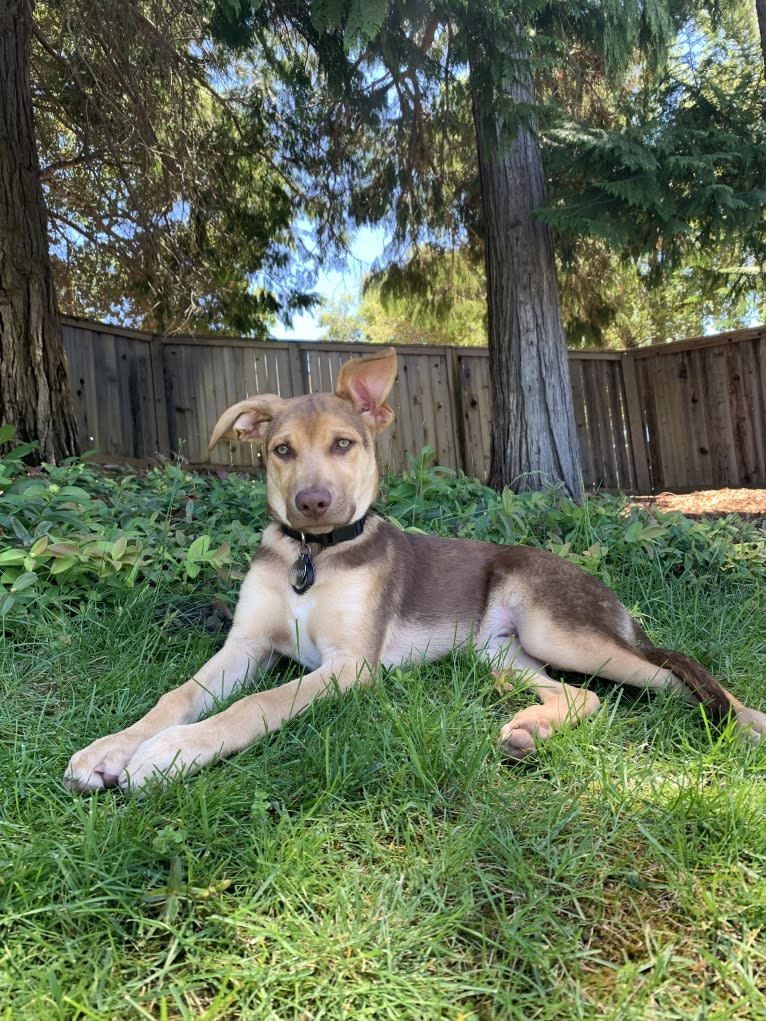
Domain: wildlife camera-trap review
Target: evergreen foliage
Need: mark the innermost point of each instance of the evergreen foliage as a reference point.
(668, 188)
(437, 296)
(688, 172)
(655, 170)
(167, 208)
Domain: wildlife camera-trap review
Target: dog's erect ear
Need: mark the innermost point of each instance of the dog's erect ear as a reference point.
(366, 382)
(246, 420)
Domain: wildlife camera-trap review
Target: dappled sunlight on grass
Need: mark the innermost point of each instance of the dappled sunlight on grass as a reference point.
(378, 858)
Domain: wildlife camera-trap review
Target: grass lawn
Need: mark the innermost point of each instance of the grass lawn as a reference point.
(377, 858)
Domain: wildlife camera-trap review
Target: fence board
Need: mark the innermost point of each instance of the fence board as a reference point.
(620, 430)
(113, 383)
(601, 420)
(635, 426)
(475, 401)
(599, 397)
(746, 401)
(581, 421)
(677, 416)
(698, 423)
(424, 389)
(615, 473)
(662, 377)
(79, 347)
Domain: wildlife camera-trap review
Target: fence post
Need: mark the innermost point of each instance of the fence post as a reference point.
(161, 402)
(635, 421)
(454, 382)
(298, 375)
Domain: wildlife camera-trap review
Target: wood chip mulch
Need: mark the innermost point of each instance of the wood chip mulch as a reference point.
(749, 503)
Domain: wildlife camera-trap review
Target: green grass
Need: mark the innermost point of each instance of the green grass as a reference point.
(377, 858)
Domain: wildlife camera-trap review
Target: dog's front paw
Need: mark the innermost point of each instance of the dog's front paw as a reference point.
(177, 751)
(100, 764)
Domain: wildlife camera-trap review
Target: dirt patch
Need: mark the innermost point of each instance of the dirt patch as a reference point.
(748, 503)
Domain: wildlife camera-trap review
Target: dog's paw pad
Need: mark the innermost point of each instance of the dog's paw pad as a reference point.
(107, 772)
(100, 764)
(519, 738)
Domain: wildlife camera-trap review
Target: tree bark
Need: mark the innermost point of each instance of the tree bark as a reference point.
(34, 390)
(760, 9)
(534, 441)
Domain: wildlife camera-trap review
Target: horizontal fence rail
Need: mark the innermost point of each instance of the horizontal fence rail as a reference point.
(679, 416)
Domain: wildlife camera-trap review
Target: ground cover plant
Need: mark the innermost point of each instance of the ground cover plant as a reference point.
(377, 858)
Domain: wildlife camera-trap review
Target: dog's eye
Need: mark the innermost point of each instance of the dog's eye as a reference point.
(282, 450)
(343, 443)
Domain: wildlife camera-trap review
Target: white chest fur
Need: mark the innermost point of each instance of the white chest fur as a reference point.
(302, 613)
(338, 617)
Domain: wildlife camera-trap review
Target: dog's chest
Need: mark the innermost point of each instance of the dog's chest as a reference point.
(320, 622)
(302, 636)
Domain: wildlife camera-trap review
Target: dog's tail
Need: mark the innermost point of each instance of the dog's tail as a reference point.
(702, 685)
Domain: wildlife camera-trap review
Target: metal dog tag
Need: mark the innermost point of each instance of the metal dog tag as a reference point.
(302, 571)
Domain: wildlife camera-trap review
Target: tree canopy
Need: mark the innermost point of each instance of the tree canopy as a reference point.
(181, 144)
(169, 207)
(190, 151)
(655, 187)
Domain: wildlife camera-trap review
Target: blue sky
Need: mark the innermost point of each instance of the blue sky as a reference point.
(333, 285)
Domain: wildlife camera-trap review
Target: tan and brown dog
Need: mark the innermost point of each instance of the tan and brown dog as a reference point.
(341, 591)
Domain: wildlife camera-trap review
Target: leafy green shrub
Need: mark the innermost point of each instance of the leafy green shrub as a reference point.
(602, 534)
(79, 531)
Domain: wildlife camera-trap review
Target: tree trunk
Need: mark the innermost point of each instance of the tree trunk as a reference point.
(34, 391)
(760, 9)
(534, 442)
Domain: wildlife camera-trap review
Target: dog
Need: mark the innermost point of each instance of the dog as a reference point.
(341, 591)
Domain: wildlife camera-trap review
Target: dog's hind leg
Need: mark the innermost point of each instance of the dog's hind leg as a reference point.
(561, 704)
(622, 652)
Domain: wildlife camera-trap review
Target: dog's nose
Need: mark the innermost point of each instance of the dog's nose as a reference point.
(313, 502)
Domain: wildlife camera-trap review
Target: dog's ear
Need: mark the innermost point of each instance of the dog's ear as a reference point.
(366, 382)
(246, 420)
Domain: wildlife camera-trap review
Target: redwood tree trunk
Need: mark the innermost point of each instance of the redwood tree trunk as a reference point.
(34, 391)
(534, 442)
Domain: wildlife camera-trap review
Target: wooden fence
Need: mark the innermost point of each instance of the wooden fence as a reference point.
(679, 416)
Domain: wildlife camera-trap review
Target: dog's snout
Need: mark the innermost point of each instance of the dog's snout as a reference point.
(313, 502)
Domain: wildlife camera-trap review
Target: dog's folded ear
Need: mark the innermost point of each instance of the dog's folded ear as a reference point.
(247, 420)
(366, 383)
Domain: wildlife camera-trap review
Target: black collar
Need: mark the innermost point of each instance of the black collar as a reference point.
(325, 539)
